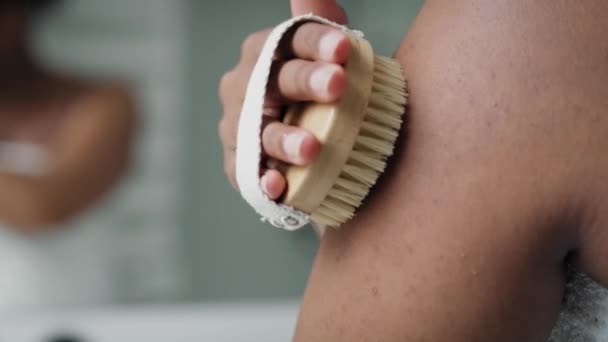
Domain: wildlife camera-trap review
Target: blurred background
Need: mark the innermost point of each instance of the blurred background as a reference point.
(173, 253)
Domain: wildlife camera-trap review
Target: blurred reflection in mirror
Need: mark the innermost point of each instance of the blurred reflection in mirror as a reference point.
(65, 143)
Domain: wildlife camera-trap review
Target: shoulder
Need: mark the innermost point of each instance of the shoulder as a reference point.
(115, 98)
(105, 105)
(99, 115)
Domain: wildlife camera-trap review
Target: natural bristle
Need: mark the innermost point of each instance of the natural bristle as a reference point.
(375, 143)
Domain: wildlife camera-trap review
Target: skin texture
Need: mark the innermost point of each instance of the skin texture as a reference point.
(499, 177)
(86, 127)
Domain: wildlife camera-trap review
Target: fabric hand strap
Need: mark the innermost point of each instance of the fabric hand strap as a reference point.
(249, 145)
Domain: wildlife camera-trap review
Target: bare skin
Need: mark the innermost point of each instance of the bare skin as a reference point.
(85, 126)
(500, 176)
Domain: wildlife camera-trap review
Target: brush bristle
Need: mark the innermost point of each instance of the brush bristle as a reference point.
(375, 143)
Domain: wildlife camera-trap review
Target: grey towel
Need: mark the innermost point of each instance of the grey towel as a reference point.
(584, 314)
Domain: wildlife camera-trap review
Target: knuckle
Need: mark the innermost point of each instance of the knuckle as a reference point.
(253, 43)
(228, 168)
(309, 35)
(276, 71)
(247, 44)
(291, 79)
(223, 130)
(313, 36)
(300, 78)
(230, 172)
(271, 140)
(225, 83)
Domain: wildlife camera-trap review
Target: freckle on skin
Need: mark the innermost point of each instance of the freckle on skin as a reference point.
(409, 249)
(471, 100)
(376, 248)
(326, 325)
(375, 291)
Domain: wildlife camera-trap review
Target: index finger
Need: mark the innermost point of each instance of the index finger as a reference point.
(314, 41)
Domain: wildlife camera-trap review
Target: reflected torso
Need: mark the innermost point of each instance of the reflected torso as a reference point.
(38, 271)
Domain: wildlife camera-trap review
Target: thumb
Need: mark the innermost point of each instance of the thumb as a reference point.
(328, 9)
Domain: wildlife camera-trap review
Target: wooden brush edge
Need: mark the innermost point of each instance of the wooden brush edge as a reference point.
(336, 126)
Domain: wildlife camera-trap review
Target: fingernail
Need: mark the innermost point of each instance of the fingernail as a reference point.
(319, 80)
(328, 45)
(292, 143)
(264, 184)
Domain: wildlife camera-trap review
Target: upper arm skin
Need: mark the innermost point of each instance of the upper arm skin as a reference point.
(464, 238)
(94, 149)
(90, 153)
(446, 250)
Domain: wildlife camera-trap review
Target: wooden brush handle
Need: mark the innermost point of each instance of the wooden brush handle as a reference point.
(336, 126)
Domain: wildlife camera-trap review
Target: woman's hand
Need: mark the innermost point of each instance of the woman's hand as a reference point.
(312, 72)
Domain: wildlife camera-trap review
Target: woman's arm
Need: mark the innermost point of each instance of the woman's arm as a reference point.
(453, 246)
(464, 239)
(90, 154)
(447, 250)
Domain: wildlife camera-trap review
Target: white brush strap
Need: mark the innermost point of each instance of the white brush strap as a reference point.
(249, 144)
